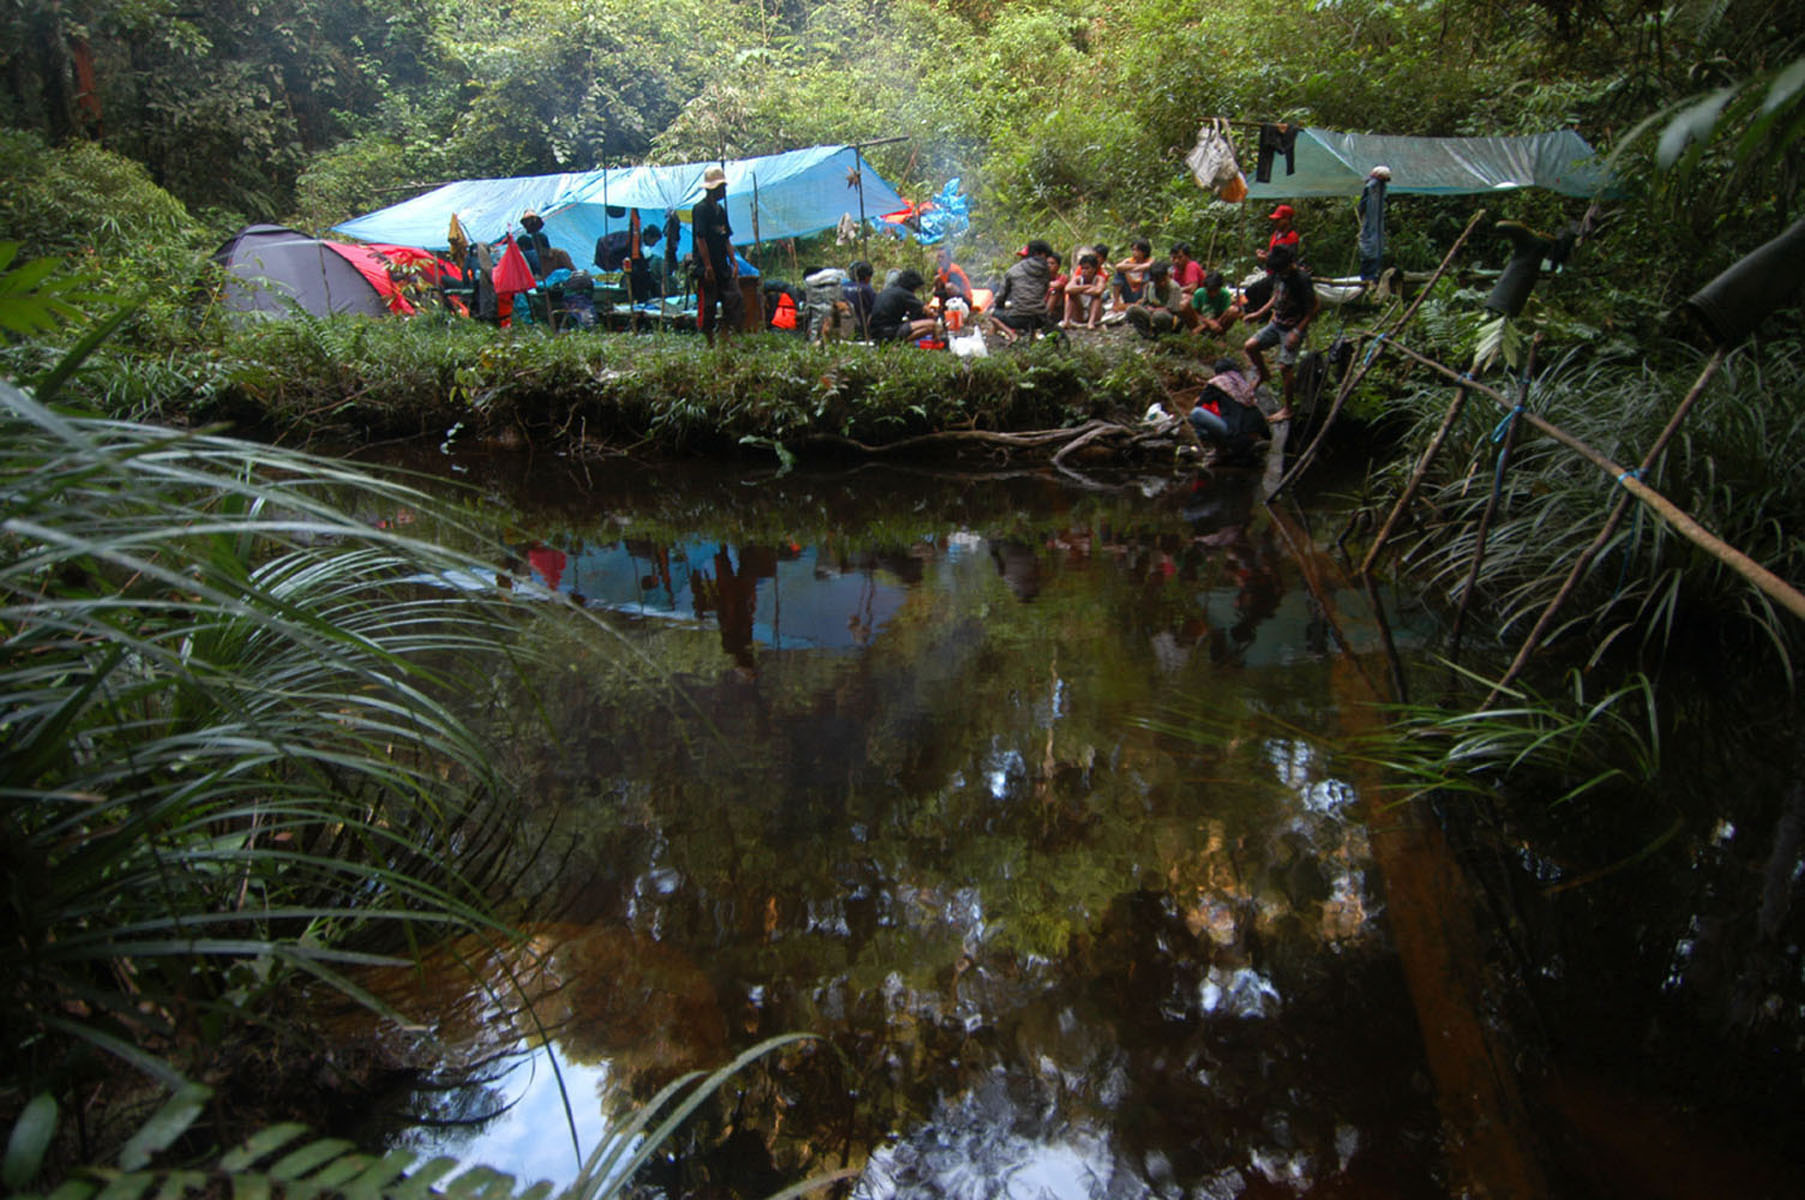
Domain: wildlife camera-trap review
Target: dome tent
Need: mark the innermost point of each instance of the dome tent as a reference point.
(273, 270)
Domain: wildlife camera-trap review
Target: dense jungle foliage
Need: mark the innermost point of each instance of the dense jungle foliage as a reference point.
(136, 134)
(1065, 119)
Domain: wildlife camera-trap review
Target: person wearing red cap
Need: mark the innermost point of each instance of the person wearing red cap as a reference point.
(1284, 232)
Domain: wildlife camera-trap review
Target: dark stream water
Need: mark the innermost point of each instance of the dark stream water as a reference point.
(1035, 798)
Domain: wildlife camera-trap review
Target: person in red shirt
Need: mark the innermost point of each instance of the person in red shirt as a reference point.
(1284, 233)
(1187, 272)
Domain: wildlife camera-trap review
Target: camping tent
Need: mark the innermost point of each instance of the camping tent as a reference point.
(1326, 163)
(273, 269)
(797, 193)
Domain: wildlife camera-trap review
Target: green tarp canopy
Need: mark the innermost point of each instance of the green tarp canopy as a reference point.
(1327, 163)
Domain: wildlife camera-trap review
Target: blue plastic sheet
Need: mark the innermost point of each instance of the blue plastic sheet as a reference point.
(798, 193)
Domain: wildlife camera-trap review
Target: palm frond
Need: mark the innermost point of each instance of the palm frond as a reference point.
(236, 720)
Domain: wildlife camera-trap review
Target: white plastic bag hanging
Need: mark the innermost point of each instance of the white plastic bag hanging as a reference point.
(1212, 159)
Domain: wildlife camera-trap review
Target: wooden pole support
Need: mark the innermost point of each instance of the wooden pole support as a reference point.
(1416, 479)
(1491, 509)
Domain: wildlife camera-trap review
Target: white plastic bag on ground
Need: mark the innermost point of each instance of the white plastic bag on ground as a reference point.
(969, 344)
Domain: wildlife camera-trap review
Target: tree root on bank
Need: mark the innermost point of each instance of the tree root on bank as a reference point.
(1114, 436)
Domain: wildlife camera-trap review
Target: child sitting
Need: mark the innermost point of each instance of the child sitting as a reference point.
(1083, 300)
(1131, 273)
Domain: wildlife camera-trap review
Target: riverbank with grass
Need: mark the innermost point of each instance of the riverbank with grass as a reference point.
(355, 380)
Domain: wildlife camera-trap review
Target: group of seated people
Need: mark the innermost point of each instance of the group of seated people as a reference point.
(1177, 295)
(897, 312)
(1155, 297)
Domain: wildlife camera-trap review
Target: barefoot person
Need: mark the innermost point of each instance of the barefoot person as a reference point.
(1131, 273)
(1084, 291)
(1215, 307)
(1287, 314)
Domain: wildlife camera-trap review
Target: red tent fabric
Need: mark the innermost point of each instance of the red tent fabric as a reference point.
(375, 268)
(434, 267)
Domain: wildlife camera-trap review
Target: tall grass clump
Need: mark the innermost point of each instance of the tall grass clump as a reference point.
(231, 755)
(1733, 465)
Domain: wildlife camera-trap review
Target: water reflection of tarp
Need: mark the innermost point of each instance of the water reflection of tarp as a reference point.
(798, 600)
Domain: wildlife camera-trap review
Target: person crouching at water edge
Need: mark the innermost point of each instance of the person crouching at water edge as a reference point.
(1227, 414)
(719, 278)
(1021, 300)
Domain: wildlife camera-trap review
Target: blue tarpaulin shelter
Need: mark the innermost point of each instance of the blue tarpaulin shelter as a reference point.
(797, 193)
(1327, 163)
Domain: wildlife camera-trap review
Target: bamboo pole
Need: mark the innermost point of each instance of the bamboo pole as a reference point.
(1490, 511)
(1416, 478)
(1632, 483)
(1353, 379)
(1777, 589)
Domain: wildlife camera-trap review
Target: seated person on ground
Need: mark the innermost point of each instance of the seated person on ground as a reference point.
(899, 315)
(1187, 272)
(1131, 273)
(1101, 253)
(1161, 308)
(859, 293)
(1020, 305)
(950, 279)
(1056, 288)
(1214, 306)
(1227, 413)
(1084, 293)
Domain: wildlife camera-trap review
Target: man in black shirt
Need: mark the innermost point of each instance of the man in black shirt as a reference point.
(615, 252)
(719, 279)
(898, 314)
(1288, 313)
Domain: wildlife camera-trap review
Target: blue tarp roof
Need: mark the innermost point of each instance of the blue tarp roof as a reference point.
(1328, 163)
(798, 192)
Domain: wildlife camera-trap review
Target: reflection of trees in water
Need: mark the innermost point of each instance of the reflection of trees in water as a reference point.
(601, 993)
(919, 849)
(1192, 1013)
(1145, 1062)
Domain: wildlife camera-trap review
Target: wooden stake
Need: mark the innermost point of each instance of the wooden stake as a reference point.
(1416, 478)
